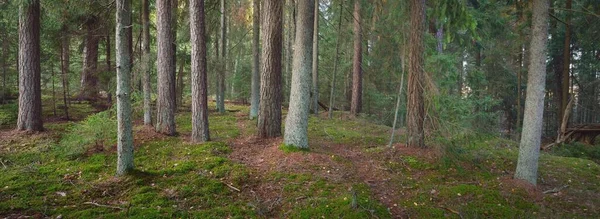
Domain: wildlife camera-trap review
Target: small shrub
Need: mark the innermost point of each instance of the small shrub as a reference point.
(98, 130)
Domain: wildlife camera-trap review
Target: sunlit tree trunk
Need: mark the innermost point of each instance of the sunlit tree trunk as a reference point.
(357, 73)
(165, 107)
(255, 96)
(125, 133)
(529, 148)
(146, 56)
(30, 95)
(269, 114)
(296, 124)
(415, 106)
(200, 131)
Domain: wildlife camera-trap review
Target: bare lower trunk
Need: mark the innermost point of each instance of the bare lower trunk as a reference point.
(200, 130)
(4, 58)
(30, 98)
(146, 62)
(415, 106)
(315, 64)
(64, 66)
(335, 62)
(180, 84)
(255, 96)
(125, 133)
(566, 62)
(529, 147)
(53, 89)
(165, 107)
(89, 77)
(296, 124)
(269, 114)
(397, 109)
(222, 62)
(357, 73)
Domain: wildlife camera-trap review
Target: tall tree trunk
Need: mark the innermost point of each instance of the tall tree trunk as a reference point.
(255, 96)
(269, 114)
(566, 63)
(529, 147)
(53, 89)
(397, 109)
(296, 123)
(64, 67)
(30, 95)
(174, 15)
(180, 84)
(165, 107)
(222, 62)
(439, 36)
(315, 62)
(4, 71)
(415, 107)
(146, 62)
(125, 133)
(357, 73)
(89, 77)
(335, 62)
(108, 52)
(200, 131)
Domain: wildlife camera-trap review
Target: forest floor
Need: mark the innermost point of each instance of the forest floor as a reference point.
(349, 172)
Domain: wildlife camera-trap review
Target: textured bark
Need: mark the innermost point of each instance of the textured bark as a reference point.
(357, 73)
(125, 133)
(566, 63)
(64, 67)
(89, 77)
(165, 106)
(222, 62)
(53, 89)
(108, 52)
(200, 131)
(296, 123)
(174, 14)
(335, 62)
(529, 148)
(415, 106)
(255, 96)
(315, 62)
(269, 114)
(146, 62)
(30, 98)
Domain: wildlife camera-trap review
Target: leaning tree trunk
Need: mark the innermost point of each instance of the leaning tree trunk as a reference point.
(415, 107)
(89, 77)
(124, 134)
(222, 62)
(146, 62)
(269, 114)
(335, 62)
(315, 62)
(30, 95)
(529, 148)
(255, 96)
(357, 73)
(296, 123)
(200, 131)
(165, 107)
(566, 63)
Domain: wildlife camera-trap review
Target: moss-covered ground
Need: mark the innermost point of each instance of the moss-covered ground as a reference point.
(68, 170)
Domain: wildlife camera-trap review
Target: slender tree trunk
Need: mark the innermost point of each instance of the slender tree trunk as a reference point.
(439, 36)
(30, 95)
(415, 106)
(357, 73)
(335, 62)
(53, 89)
(222, 62)
(255, 96)
(397, 109)
(146, 56)
(174, 15)
(108, 53)
(4, 58)
(180, 83)
(269, 114)
(296, 123)
(200, 131)
(89, 77)
(566, 63)
(125, 133)
(64, 63)
(529, 147)
(165, 107)
(315, 62)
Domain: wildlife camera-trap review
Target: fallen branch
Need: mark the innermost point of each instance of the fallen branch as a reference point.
(556, 190)
(231, 187)
(101, 205)
(453, 211)
(4, 165)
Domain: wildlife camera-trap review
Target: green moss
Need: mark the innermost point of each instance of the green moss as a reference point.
(292, 148)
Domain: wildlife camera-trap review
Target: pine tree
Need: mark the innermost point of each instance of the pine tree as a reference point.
(125, 133)
(200, 132)
(255, 96)
(415, 107)
(165, 106)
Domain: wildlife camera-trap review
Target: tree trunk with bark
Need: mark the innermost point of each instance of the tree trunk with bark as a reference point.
(180, 84)
(269, 114)
(335, 62)
(529, 148)
(357, 73)
(174, 14)
(165, 106)
(315, 62)
(415, 107)
(125, 133)
(146, 62)
(296, 123)
(222, 62)
(89, 76)
(30, 95)
(566, 63)
(64, 67)
(200, 131)
(255, 96)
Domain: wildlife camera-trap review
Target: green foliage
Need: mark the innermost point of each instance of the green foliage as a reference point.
(292, 148)
(98, 130)
(579, 150)
(8, 114)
